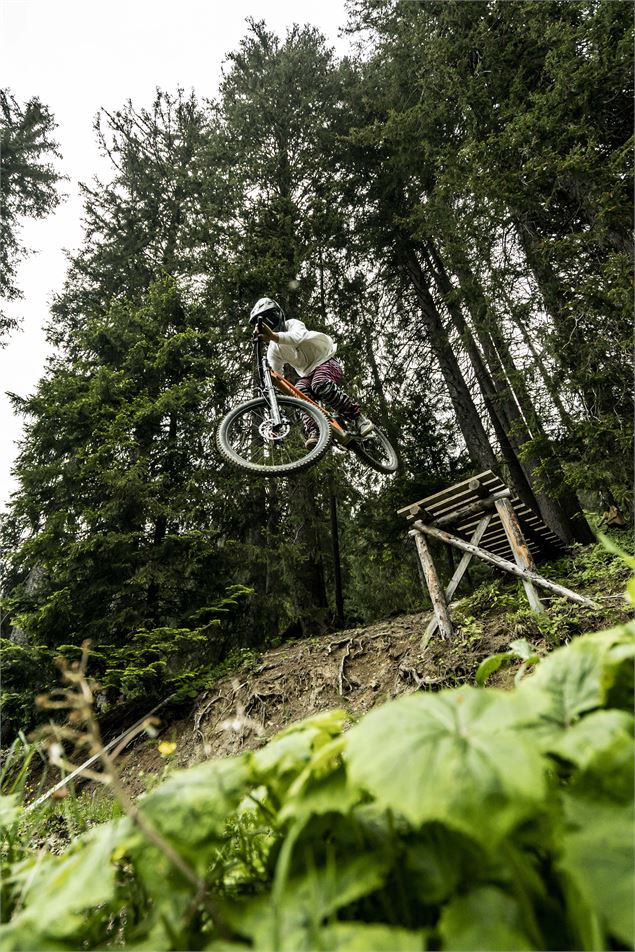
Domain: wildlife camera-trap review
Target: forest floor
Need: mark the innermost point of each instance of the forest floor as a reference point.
(355, 670)
(360, 668)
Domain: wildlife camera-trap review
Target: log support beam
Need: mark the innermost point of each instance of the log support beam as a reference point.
(435, 588)
(456, 579)
(522, 555)
(504, 564)
(465, 512)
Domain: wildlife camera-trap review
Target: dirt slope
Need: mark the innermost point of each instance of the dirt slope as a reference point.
(362, 667)
(354, 670)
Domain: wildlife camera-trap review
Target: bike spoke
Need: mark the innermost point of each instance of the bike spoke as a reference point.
(249, 439)
(248, 442)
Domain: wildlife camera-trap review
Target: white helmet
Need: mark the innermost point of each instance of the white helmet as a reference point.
(269, 312)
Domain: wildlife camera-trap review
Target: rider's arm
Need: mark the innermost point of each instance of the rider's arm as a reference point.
(273, 358)
(295, 333)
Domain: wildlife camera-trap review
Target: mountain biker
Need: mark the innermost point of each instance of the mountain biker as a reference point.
(312, 356)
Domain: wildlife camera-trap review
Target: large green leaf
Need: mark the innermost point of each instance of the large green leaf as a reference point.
(221, 945)
(598, 731)
(462, 757)
(193, 804)
(619, 669)
(330, 793)
(572, 676)
(485, 919)
(361, 937)
(292, 749)
(307, 901)
(608, 771)
(438, 860)
(597, 855)
(61, 888)
(579, 677)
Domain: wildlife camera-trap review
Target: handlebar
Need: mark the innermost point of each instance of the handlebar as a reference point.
(257, 331)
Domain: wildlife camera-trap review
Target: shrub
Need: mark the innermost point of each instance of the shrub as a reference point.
(471, 818)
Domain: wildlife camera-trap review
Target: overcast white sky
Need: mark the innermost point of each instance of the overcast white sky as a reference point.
(78, 56)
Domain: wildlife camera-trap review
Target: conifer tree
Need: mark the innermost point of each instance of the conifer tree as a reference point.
(28, 181)
(445, 155)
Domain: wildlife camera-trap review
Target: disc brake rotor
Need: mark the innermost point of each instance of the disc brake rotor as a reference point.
(272, 433)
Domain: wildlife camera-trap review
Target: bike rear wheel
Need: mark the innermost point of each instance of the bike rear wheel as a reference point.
(247, 437)
(377, 451)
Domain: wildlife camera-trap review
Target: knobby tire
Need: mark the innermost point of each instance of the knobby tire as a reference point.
(258, 408)
(387, 462)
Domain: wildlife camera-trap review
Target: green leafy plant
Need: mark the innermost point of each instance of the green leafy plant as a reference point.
(471, 818)
(492, 596)
(152, 664)
(518, 650)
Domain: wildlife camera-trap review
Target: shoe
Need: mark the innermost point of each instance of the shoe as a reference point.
(364, 425)
(311, 441)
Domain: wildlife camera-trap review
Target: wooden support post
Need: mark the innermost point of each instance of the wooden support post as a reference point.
(434, 586)
(461, 569)
(522, 555)
(504, 564)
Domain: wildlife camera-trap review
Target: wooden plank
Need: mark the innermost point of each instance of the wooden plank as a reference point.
(500, 540)
(468, 491)
(496, 543)
(535, 528)
(434, 586)
(503, 549)
(503, 564)
(440, 509)
(429, 502)
(521, 553)
(451, 502)
(538, 536)
(460, 571)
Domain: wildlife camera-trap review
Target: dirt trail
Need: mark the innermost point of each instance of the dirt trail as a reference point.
(354, 670)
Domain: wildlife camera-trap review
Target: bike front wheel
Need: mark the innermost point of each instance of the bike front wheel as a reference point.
(377, 451)
(248, 438)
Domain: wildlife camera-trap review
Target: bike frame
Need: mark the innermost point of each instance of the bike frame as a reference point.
(271, 380)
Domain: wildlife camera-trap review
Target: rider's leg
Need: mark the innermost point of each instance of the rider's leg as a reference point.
(325, 382)
(310, 428)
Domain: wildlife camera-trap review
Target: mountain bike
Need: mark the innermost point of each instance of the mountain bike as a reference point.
(267, 434)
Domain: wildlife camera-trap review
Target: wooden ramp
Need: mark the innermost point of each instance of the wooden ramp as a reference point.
(541, 540)
(488, 522)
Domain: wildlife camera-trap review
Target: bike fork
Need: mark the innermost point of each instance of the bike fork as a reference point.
(270, 393)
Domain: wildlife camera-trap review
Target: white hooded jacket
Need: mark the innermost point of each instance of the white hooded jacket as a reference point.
(304, 350)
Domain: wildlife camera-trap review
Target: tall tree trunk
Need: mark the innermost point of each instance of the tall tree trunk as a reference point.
(337, 563)
(499, 408)
(558, 506)
(572, 342)
(508, 380)
(468, 419)
(385, 417)
(308, 571)
(547, 378)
